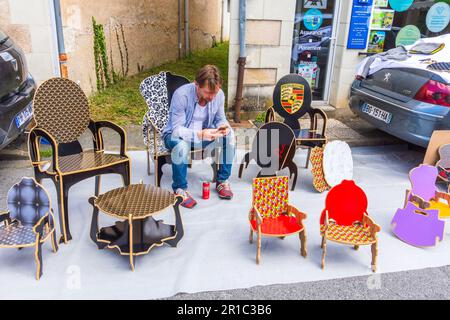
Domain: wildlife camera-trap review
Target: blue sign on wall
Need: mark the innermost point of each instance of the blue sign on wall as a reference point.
(359, 24)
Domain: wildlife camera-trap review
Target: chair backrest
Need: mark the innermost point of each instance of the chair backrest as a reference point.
(271, 195)
(28, 202)
(444, 154)
(61, 108)
(292, 97)
(157, 90)
(274, 142)
(346, 204)
(423, 181)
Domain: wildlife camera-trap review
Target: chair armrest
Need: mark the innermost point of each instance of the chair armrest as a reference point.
(297, 213)
(33, 147)
(4, 216)
(374, 228)
(270, 115)
(111, 125)
(323, 115)
(38, 228)
(257, 215)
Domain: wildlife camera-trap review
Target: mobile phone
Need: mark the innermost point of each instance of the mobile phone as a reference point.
(222, 128)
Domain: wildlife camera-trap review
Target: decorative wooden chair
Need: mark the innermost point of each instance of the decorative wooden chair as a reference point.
(273, 149)
(292, 100)
(345, 220)
(418, 227)
(157, 91)
(424, 192)
(61, 112)
(29, 221)
(271, 214)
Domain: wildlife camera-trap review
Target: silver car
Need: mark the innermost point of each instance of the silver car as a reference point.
(404, 102)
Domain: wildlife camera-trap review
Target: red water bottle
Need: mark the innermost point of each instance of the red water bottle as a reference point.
(205, 194)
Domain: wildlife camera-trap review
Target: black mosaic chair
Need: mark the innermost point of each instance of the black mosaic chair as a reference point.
(273, 149)
(29, 221)
(157, 90)
(61, 112)
(292, 100)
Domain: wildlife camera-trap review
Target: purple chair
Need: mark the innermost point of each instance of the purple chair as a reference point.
(418, 227)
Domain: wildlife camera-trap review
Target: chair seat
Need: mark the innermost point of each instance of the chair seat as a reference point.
(278, 226)
(308, 138)
(17, 235)
(88, 160)
(355, 235)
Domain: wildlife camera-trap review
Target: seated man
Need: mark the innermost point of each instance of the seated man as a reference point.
(197, 120)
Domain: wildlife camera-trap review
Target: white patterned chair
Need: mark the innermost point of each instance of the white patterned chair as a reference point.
(157, 91)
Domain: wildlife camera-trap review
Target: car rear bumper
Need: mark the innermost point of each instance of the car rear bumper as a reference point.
(410, 124)
(10, 108)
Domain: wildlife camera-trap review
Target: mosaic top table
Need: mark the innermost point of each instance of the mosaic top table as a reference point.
(137, 232)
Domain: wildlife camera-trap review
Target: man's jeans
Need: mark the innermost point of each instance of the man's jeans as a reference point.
(181, 151)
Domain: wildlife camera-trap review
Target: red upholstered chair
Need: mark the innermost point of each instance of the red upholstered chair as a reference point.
(345, 220)
(271, 215)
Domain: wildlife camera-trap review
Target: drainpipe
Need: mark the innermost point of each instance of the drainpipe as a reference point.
(186, 26)
(180, 21)
(241, 62)
(60, 37)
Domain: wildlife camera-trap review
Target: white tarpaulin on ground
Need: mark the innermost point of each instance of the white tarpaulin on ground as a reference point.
(414, 61)
(215, 253)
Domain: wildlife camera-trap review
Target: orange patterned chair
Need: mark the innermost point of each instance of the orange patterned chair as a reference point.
(271, 215)
(345, 220)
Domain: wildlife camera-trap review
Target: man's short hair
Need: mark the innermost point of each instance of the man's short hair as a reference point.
(209, 76)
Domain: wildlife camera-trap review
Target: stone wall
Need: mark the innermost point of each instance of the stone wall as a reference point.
(150, 33)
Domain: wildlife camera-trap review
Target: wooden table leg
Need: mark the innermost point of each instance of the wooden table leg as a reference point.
(178, 224)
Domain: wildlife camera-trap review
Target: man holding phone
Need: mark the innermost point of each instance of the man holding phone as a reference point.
(197, 120)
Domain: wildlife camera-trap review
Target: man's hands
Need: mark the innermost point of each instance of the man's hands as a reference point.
(212, 134)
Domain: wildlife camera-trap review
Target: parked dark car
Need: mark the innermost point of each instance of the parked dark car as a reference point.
(17, 89)
(408, 103)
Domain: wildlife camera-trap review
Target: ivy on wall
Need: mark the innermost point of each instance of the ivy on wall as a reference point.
(105, 72)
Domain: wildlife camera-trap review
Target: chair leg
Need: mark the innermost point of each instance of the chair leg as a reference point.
(250, 238)
(245, 161)
(63, 211)
(303, 250)
(155, 164)
(38, 258)
(293, 171)
(98, 180)
(148, 162)
(374, 256)
(324, 252)
(160, 162)
(308, 156)
(322, 243)
(356, 247)
(54, 242)
(125, 172)
(258, 250)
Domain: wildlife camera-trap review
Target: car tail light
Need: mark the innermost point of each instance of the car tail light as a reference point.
(434, 92)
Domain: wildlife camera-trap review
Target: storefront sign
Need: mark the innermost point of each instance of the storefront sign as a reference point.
(313, 19)
(359, 24)
(407, 35)
(438, 17)
(400, 5)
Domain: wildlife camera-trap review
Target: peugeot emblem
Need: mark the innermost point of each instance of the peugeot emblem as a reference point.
(387, 76)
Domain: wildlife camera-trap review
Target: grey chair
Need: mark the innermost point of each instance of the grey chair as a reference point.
(29, 221)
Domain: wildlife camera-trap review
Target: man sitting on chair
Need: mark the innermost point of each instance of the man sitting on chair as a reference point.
(197, 120)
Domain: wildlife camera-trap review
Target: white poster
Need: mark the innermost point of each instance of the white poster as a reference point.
(316, 4)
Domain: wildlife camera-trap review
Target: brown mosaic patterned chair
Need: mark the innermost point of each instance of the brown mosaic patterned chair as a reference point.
(61, 113)
(29, 220)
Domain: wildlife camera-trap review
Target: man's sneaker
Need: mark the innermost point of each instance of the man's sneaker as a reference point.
(224, 190)
(188, 201)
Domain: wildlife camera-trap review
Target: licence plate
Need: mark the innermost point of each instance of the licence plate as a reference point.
(377, 113)
(24, 116)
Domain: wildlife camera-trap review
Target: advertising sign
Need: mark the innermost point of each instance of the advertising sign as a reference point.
(359, 24)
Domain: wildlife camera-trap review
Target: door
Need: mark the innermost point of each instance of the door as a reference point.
(314, 43)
